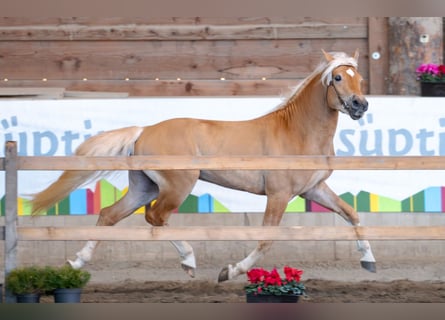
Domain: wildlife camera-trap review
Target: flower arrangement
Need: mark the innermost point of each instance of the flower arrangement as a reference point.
(430, 72)
(264, 282)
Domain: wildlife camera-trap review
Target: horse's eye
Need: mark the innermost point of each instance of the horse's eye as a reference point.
(337, 77)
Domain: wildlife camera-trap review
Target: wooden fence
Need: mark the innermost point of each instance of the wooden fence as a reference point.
(12, 233)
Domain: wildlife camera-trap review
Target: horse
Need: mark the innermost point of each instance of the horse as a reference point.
(302, 124)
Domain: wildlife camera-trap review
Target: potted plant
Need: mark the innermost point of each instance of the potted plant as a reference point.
(26, 283)
(66, 283)
(269, 286)
(432, 79)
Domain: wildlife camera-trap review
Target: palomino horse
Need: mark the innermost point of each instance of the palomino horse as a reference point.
(304, 124)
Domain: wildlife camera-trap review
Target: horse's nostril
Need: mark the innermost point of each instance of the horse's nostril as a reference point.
(362, 104)
(365, 105)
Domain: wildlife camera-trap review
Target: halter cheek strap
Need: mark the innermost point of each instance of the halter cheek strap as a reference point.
(331, 84)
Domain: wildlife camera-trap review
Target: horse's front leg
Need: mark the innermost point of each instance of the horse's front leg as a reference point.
(326, 197)
(276, 204)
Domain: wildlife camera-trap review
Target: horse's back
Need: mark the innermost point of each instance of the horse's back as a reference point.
(190, 136)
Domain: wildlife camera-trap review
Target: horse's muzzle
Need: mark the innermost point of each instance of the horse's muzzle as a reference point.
(357, 106)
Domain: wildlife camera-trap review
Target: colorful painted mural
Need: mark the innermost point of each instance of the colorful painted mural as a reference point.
(87, 201)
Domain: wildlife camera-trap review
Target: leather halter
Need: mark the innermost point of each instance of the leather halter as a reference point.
(345, 105)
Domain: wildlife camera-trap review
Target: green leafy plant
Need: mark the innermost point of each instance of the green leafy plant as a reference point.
(264, 282)
(26, 280)
(66, 277)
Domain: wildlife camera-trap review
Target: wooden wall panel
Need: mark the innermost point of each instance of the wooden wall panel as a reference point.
(170, 88)
(116, 60)
(107, 51)
(378, 55)
(180, 32)
(113, 21)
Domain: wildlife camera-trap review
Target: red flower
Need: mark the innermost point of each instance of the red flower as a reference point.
(273, 278)
(256, 275)
(442, 69)
(269, 282)
(292, 274)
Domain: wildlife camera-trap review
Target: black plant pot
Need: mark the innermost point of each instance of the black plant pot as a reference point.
(432, 89)
(28, 298)
(266, 298)
(67, 295)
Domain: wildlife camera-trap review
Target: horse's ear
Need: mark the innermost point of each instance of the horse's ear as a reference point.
(356, 55)
(327, 56)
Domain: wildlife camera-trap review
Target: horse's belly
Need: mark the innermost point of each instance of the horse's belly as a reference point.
(250, 181)
(305, 181)
(295, 181)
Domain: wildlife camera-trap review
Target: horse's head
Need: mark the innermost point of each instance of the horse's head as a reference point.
(344, 86)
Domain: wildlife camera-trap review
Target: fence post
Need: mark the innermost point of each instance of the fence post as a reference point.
(10, 212)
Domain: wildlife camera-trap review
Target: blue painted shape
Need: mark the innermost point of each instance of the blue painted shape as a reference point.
(205, 203)
(433, 199)
(78, 202)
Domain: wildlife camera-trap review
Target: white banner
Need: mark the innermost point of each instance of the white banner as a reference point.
(392, 126)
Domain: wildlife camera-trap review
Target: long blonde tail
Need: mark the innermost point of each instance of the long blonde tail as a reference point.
(117, 142)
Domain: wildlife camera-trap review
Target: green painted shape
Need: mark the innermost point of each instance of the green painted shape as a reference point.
(107, 194)
(51, 211)
(389, 205)
(190, 205)
(419, 202)
(117, 194)
(27, 208)
(296, 205)
(219, 207)
(64, 207)
(348, 198)
(406, 205)
(2, 206)
(363, 201)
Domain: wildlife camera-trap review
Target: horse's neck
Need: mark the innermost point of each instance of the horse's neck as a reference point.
(309, 107)
(307, 114)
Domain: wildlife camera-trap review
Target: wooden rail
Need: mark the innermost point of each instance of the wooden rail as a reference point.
(231, 163)
(232, 233)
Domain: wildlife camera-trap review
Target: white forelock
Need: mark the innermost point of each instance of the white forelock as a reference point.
(340, 59)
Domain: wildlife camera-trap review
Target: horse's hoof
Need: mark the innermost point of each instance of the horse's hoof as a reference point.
(368, 265)
(75, 264)
(189, 270)
(224, 274)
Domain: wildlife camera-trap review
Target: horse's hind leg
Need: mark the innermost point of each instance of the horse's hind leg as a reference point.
(174, 187)
(326, 197)
(141, 190)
